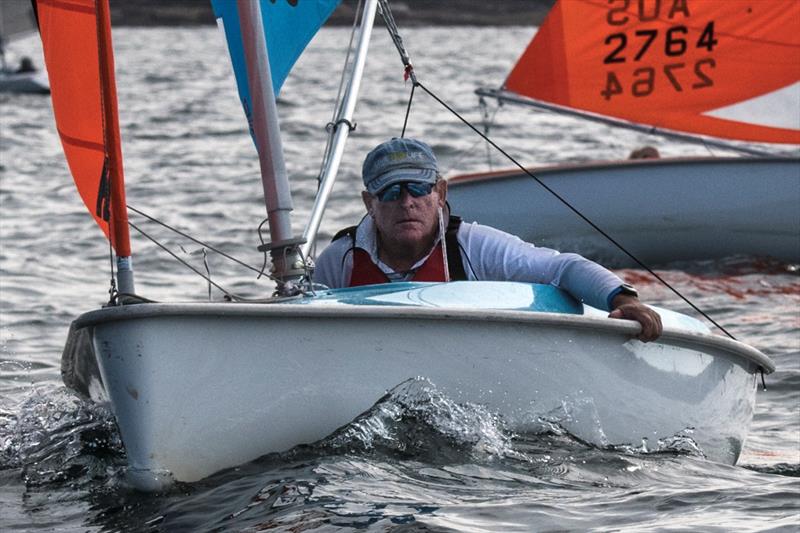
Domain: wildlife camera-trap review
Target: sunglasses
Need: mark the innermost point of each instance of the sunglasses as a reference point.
(393, 192)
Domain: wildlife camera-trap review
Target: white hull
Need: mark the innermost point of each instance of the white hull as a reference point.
(197, 388)
(660, 210)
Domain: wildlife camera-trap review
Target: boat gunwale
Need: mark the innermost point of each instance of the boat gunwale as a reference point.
(343, 311)
(543, 171)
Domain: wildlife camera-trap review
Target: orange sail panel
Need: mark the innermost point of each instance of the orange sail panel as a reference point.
(76, 40)
(728, 69)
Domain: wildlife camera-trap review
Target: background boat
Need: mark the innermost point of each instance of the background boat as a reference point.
(699, 208)
(658, 69)
(21, 76)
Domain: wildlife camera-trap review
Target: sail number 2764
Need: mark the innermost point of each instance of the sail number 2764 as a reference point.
(673, 43)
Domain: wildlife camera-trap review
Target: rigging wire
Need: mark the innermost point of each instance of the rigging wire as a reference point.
(112, 290)
(575, 210)
(184, 263)
(260, 231)
(228, 295)
(488, 120)
(394, 33)
(408, 110)
(196, 241)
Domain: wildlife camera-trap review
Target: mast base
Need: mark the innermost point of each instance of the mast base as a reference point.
(288, 265)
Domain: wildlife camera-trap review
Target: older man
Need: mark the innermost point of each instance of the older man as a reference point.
(408, 235)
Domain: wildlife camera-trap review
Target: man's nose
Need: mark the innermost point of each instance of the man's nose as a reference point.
(405, 196)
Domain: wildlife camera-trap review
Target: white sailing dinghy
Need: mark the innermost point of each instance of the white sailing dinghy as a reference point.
(682, 68)
(198, 387)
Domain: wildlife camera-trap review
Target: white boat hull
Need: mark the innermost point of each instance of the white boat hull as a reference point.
(661, 210)
(196, 388)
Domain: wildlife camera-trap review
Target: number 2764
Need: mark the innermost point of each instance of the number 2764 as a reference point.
(645, 78)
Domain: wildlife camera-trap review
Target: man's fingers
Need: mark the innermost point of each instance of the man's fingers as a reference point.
(649, 320)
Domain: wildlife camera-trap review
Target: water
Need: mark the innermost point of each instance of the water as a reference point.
(415, 462)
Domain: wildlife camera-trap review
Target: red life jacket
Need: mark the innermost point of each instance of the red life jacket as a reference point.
(366, 272)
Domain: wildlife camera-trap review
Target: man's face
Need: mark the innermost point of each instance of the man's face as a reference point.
(408, 221)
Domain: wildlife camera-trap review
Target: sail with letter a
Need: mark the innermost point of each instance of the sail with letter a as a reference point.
(728, 69)
(76, 41)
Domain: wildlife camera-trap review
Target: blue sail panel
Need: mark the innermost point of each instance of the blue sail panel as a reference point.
(289, 25)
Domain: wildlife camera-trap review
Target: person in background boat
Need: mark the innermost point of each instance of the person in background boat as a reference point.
(26, 65)
(409, 235)
(645, 152)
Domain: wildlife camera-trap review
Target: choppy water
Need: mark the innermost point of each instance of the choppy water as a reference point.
(417, 461)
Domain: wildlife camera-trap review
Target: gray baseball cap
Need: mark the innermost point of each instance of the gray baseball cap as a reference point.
(398, 160)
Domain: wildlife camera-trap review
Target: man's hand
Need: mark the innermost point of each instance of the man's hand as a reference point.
(629, 307)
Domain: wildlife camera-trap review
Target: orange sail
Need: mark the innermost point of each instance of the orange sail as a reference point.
(728, 69)
(76, 39)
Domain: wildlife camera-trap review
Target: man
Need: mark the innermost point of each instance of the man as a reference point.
(408, 235)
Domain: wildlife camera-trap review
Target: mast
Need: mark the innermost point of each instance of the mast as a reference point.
(118, 221)
(286, 260)
(342, 125)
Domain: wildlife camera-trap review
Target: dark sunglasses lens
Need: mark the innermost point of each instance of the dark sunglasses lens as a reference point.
(419, 189)
(393, 192)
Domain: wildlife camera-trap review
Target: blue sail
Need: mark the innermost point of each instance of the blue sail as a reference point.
(289, 25)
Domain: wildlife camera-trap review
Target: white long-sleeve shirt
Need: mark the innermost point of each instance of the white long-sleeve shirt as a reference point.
(488, 254)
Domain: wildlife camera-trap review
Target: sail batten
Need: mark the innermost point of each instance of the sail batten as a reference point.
(698, 66)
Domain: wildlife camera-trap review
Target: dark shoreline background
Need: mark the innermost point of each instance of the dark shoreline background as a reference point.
(406, 13)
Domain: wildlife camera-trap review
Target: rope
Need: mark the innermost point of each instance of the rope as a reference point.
(263, 242)
(112, 290)
(394, 33)
(197, 241)
(228, 295)
(574, 210)
(408, 110)
(184, 263)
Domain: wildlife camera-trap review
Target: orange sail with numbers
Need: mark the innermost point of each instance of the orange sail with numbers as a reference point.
(728, 69)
